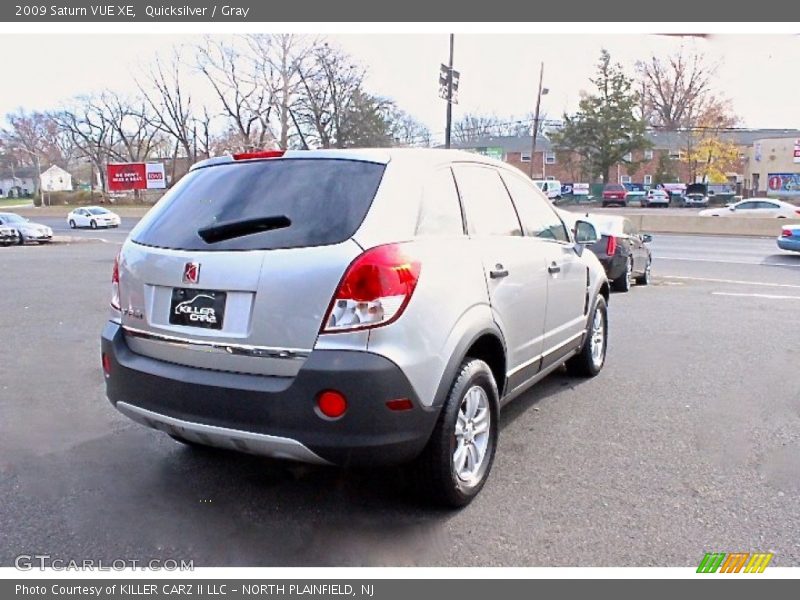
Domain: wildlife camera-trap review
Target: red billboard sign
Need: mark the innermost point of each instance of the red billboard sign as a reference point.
(135, 176)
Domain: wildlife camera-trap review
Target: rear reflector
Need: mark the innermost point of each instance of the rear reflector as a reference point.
(106, 365)
(611, 246)
(259, 154)
(332, 404)
(400, 404)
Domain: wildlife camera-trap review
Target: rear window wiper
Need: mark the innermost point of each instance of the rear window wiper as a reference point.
(234, 229)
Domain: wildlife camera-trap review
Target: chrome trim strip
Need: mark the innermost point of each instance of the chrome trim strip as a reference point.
(222, 437)
(223, 347)
(541, 356)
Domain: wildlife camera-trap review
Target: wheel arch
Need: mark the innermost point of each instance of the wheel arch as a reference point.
(484, 343)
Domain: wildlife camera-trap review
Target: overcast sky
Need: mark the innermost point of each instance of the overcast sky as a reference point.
(758, 73)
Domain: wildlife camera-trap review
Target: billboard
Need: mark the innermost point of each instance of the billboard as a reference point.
(136, 176)
(783, 184)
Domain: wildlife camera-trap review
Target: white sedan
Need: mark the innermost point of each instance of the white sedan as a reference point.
(656, 198)
(755, 207)
(92, 216)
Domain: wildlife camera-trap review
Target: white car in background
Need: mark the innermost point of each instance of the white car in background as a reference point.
(655, 198)
(92, 216)
(755, 207)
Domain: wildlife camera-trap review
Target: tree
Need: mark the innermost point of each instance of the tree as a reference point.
(472, 127)
(406, 130)
(332, 108)
(665, 170)
(676, 89)
(279, 64)
(606, 129)
(235, 79)
(32, 135)
(711, 158)
(89, 127)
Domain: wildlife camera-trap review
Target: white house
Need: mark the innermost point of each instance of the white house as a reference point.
(16, 185)
(56, 179)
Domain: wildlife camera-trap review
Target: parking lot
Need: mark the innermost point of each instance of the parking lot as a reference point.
(688, 441)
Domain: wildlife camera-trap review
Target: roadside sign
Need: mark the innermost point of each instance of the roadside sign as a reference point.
(797, 151)
(444, 80)
(136, 176)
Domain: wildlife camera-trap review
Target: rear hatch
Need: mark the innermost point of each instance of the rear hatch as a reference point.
(235, 268)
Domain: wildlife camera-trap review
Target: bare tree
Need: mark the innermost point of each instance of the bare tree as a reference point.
(90, 130)
(134, 125)
(676, 90)
(406, 130)
(472, 127)
(167, 98)
(331, 87)
(280, 59)
(32, 135)
(236, 80)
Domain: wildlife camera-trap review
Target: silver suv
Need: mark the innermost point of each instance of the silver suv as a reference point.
(351, 307)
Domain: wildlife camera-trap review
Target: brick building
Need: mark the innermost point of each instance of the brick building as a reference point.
(667, 154)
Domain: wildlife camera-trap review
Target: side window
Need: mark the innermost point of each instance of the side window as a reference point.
(486, 203)
(440, 212)
(768, 205)
(535, 211)
(747, 206)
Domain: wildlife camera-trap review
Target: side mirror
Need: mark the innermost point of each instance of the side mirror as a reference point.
(585, 233)
(647, 238)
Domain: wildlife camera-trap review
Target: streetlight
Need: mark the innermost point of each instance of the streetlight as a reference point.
(542, 92)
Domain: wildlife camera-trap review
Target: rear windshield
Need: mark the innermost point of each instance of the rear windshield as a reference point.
(614, 187)
(323, 201)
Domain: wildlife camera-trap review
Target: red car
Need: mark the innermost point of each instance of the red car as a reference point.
(615, 194)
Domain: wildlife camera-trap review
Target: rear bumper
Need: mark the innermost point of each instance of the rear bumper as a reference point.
(789, 244)
(274, 416)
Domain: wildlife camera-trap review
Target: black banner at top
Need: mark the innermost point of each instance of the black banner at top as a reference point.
(272, 11)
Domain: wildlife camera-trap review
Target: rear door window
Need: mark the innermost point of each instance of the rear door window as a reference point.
(300, 202)
(440, 211)
(487, 205)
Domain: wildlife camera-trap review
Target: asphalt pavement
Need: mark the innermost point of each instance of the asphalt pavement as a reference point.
(687, 442)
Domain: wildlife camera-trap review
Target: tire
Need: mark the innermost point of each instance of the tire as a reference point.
(587, 363)
(644, 278)
(623, 282)
(436, 469)
(21, 240)
(72, 224)
(93, 224)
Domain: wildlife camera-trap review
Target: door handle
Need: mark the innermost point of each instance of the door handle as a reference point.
(554, 268)
(498, 272)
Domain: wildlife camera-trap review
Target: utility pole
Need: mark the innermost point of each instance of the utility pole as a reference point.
(448, 128)
(536, 119)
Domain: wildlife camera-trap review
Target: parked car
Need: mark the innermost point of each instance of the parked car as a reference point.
(696, 195)
(622, 250)
(351, 307)
(8, 236)
(634, 192)
(614, 194)
(27, 231)
(789, 239)
(550, 188)
(755, 207)
(92, 216)
(656, 197)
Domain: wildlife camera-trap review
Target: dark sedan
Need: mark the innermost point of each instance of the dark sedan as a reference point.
(622, 250)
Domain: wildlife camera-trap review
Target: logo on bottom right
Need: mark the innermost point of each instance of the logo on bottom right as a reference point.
(734, 562)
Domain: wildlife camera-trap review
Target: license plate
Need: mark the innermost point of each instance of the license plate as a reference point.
(197, 308)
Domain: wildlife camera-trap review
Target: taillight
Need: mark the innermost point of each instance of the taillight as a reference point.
(375, 289)
(258, 154)
(786, 233)
(115, 284)
(611, 246)
(797, 211)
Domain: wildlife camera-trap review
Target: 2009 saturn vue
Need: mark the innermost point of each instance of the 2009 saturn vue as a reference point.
(351, 307)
